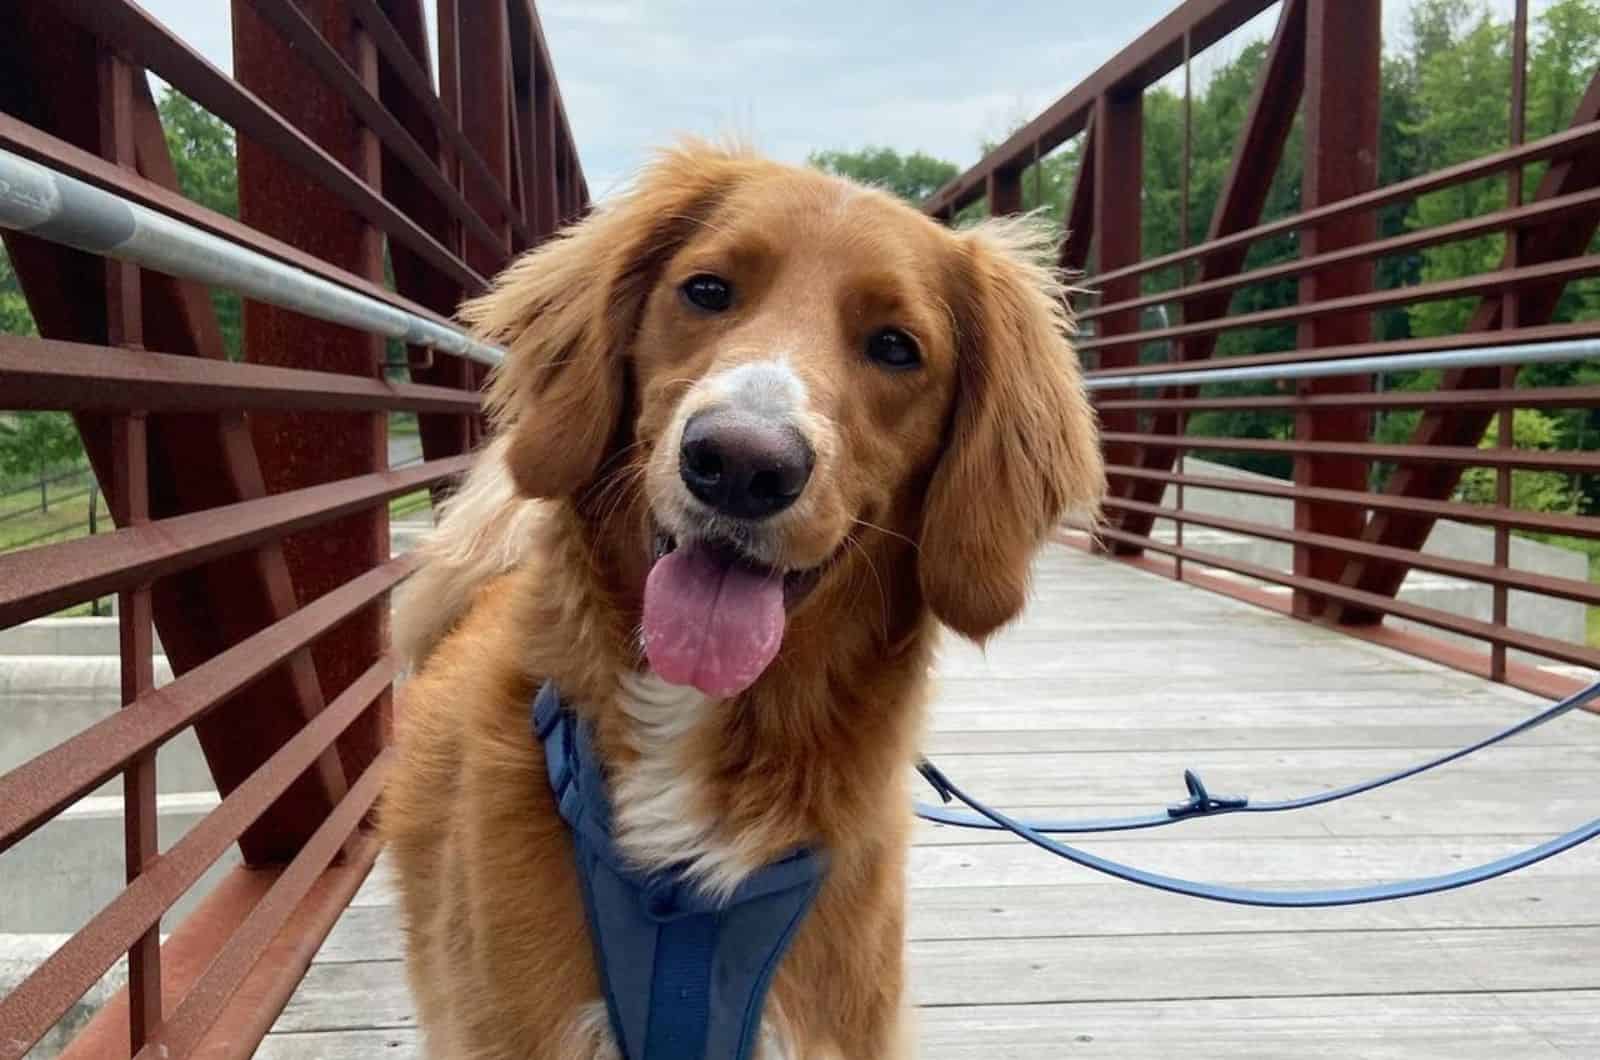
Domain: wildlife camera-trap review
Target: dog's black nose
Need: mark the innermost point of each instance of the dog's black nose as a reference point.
(743, 466)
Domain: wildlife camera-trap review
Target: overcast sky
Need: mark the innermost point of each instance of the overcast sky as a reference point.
(795, 77)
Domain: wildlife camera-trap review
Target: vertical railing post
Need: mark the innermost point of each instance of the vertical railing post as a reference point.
(1343, 54)
(1510, 306)
(135, 619)
(1004, 192)
(1118, 225)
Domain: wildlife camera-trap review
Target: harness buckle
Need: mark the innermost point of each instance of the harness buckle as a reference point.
(1201, 802)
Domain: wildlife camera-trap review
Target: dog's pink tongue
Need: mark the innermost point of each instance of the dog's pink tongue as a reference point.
(710, 624)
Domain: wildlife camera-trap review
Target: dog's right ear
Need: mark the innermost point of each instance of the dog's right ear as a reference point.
(567, 313)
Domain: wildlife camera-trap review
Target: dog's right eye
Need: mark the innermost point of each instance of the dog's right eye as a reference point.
(708, 292)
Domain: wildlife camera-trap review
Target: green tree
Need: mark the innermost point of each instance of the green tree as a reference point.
(205, 155)
(32, 443)
(913, 177)
(1538, 491)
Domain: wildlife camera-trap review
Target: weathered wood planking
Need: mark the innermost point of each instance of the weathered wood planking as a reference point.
(1113, 684)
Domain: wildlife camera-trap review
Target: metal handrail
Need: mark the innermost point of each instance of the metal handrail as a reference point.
(1482, 357)
(47, 203)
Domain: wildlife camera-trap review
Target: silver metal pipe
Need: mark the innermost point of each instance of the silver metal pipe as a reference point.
(1482, 357)
(63, 209)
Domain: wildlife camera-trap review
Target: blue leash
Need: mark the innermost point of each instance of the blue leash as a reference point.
(1202, 804)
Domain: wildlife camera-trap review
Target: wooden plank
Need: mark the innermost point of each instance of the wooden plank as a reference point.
(1126, 968)
(1472, 1026)
(1020, 955)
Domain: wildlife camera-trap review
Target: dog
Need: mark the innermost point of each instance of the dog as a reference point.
(759, 432)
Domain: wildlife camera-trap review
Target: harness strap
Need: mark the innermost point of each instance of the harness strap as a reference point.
(685, 973)
(1202, 804)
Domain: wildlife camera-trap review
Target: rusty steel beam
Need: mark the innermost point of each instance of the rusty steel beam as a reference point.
(1477, 514)
(48, 374)
(1118, 229)
(1079, 232)
(1244, 195)
(29, 1011)
(298, 448)
(1535, 644)
(152, 45)
(297, 30)
(1579, 204)
(441, 435)
(1582, 137)
(183, 1035)
(1147, 60)
(37, 790)
(64, 157)
(1459, 456)
(197, 462)
(38, 581)
(1558, 397)
(1552, 243)
(1343, 59)
(476, 63)
(1584, 592)
(1540, 277)
(414, 72)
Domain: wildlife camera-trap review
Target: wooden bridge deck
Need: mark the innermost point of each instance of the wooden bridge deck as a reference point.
(1114, 683)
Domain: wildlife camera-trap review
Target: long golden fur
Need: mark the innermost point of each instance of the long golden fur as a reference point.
(932, 490)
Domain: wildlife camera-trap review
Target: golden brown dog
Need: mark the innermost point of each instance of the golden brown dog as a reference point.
(759, 432)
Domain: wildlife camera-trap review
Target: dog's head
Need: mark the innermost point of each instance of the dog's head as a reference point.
(784, 374)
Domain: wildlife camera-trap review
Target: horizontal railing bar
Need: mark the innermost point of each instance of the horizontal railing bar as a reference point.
(40, 581)
(63, 209)
(1484, 631)
(298, 31)
(1567, 142)
(29, 1011)
(43, 786)
(1553, 397)
(1495, 283)
(130, 30)
(1487, 356)
(39, 146)
(1516, 217)
(1462, 340)
(1526, 581)
(182, 1032)
(50, 374)
(1459, 455)
(1481, 515)
(406, 67)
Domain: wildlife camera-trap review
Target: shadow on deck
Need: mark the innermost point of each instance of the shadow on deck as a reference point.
(1114, 682)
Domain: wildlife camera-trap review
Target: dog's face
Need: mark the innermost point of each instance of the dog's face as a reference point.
(785, 372)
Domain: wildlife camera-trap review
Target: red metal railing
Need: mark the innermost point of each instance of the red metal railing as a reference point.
(251, 498)
(1350, 536)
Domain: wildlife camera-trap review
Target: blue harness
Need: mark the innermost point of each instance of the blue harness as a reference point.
(685, 976)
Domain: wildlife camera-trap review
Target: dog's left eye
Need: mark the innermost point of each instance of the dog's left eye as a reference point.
(893, 348)
(708, 292)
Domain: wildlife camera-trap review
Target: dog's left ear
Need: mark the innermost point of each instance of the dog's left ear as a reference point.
(568, 311)
(1023, 449)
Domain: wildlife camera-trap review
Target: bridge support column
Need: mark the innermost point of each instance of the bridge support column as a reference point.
(1343, 53)
(1118, 161)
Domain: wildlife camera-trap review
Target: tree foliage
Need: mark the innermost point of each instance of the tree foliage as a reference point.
(913, 177)
(205, 155)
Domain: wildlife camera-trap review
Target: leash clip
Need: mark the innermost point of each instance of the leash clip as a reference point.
(936, 780)
(1201, 802)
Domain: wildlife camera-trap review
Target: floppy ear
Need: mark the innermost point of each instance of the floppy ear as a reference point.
(1023, 450)
(567, 313)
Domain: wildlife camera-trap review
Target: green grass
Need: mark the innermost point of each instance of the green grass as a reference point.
(67, 518)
